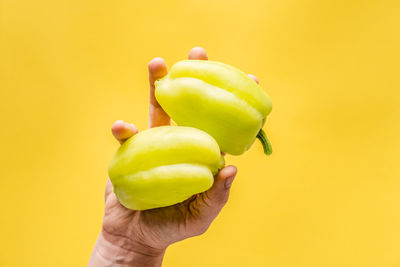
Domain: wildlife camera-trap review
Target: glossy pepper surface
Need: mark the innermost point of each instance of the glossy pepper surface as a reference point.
(218, 99)
(163, 166)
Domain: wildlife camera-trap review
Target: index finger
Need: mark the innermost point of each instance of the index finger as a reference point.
(157, 116)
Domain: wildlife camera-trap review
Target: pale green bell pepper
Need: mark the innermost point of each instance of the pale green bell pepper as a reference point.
(163, 166)
(218, 99)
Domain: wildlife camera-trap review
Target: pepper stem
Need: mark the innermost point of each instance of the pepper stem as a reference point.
(265, 142)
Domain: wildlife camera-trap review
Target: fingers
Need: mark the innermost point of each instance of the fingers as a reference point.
(123, 130)
(198, 53)
(254, 78)
(157, 70)
(157, 116)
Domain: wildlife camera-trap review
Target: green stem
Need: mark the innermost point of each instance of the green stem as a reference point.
(265, 142)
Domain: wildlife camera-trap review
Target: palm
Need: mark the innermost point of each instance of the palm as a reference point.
(156, 227)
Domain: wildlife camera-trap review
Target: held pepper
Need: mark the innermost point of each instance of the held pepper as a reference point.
(218, 99)
(163, 166)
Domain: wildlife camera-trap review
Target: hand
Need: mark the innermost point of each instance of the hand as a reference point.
(140, 238)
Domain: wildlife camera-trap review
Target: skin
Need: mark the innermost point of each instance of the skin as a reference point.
(140, 238)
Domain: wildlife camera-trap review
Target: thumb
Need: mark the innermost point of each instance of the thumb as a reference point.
(218, 194)
(213, 200)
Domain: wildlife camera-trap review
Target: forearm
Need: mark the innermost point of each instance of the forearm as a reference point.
(107, 254)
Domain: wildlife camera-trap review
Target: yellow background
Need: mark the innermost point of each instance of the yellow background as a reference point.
(329, 195)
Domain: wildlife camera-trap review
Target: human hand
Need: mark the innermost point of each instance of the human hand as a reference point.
(140, 238)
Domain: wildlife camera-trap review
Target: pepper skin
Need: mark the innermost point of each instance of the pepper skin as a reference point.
(163, 166)
(218, 99)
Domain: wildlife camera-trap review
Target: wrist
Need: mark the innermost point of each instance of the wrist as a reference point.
(119, 251)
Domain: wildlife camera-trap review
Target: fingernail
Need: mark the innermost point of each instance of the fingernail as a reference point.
(229, 181)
